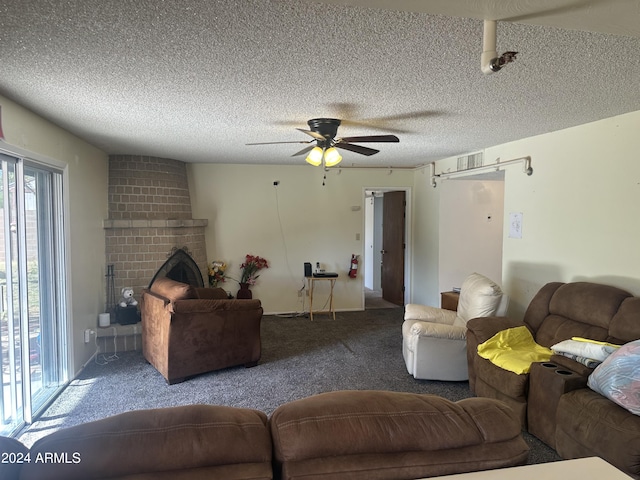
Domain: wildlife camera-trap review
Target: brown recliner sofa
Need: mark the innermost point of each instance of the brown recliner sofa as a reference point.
(378, 435)
(344, 435)
(188, 330)
(553, 401)
(189, 442)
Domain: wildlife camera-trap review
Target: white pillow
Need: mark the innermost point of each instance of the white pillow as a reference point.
(596, 351)
(479, 297)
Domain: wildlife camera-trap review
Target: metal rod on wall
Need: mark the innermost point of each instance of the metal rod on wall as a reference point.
(472, 171)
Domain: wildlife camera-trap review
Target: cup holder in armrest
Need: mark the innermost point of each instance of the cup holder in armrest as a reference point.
(557, 369)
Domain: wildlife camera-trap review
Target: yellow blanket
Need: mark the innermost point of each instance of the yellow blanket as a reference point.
(514, 349)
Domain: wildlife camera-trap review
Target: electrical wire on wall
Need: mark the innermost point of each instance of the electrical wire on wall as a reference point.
(286, 256)
(103, 358)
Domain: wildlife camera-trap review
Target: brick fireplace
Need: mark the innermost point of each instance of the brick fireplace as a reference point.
(149, 215)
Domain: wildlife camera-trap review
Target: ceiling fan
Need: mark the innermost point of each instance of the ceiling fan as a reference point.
(324, 131)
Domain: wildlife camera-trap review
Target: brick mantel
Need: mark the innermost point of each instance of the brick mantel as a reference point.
(155, 223)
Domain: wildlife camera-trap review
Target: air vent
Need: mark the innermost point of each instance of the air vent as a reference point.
(467, 162)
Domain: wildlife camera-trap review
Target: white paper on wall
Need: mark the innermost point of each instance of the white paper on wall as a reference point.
(515, 225)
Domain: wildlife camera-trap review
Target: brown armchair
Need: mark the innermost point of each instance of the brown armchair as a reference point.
(188, 330)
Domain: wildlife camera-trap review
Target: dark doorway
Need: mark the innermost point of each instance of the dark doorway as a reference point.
(393, 247)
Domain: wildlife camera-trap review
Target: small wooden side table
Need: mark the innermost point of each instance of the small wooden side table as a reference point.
(311, 284)
(449, 300)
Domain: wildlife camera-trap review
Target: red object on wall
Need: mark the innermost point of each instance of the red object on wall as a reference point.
(353, 270)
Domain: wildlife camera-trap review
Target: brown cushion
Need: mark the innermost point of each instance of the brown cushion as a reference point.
(625, 325)
(215, 293)
(511, 384)
(209, 441)
(590, 303)
(10, 466)
(173, 290)
(588, 425)
(368, 434)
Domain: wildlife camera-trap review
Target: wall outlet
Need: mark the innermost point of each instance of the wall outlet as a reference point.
(87, 335)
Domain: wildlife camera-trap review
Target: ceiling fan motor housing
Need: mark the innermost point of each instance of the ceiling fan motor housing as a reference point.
(327, 127)
(324, 131)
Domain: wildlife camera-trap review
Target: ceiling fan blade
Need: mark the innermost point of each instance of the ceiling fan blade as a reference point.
(304, 150)
(389, 123)
(315, 135)
(371, 138)
(357, 148)
(276, 143)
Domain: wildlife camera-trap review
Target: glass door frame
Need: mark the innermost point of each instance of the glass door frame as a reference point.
(56, 301)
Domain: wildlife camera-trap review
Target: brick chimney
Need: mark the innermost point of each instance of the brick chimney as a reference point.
(149, 215)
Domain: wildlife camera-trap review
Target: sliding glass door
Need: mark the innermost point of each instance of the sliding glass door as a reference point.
(32, 290)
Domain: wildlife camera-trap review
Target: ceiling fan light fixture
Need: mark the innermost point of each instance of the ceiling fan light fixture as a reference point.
(332, 157)
(315, 156)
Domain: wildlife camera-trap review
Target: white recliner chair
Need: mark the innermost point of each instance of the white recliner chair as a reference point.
(434, 340)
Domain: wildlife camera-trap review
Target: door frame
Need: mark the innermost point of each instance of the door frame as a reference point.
(408, 251)
(63, 240)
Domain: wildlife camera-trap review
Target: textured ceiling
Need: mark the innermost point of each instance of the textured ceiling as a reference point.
(196, 80)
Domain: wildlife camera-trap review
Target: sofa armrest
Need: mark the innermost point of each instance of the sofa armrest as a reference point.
(548, 381)
(438, 330)
(480, 330)
(571, 365)
(154, 297)
(483, 328)
(414, 311)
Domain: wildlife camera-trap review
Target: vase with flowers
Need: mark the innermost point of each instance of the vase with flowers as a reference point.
(250, 268)
(217, 270)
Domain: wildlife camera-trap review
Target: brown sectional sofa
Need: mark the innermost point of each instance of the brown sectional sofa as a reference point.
(188, 330)
(553, 401)
(375, 435)
(333, 436)
(194, 442)
(589, 425)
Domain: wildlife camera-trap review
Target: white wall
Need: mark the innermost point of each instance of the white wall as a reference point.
(581, 211)
(374, 209)
(378, 233)
(425, 284)
(298, 221)
(581, 208)
(368, 242)
(471, 230)
(86, 175)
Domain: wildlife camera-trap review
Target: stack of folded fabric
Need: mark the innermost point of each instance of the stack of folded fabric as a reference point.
(587, 352)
